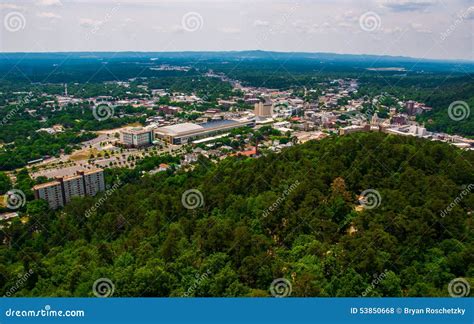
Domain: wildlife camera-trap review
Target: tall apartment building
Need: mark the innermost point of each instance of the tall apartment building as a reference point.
(51, 192)
(263, 109)
(72, 186)
(137, 137)
(93, 181)
(60, 192)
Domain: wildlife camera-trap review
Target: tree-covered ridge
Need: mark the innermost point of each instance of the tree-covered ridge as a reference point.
(294, 215)
(438, 92)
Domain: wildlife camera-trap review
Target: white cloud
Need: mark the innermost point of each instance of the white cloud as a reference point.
(394, 30)
(261, 23)
(89, 23)
(308, 27)
(408, 5)
(230, 30)
(344, 24)
(350, 16)
(48, 3)
(50, 15)
(420, 28)
(158, 29)
(168, 29)
(10, 6)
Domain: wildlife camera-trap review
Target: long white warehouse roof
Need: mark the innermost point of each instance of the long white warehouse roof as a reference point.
(180, 128)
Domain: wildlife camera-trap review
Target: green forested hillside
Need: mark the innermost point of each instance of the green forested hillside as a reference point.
(294, 215)
(436, 91)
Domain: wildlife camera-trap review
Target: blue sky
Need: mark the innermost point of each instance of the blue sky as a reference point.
(441, 29)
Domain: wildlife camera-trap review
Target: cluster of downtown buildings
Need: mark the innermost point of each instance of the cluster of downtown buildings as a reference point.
(277, 108)
(286, 112)
(184, 133)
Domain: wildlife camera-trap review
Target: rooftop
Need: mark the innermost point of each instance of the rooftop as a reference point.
(218, 123)
(71, 177)
(180, 128)
(252, 151)
(46, 185)
(184, 128)
(136, 130)
(93, 171)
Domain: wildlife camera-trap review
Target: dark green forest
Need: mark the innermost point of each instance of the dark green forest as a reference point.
(295, 215)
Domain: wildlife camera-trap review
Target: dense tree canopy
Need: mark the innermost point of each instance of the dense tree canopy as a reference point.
(295, 215)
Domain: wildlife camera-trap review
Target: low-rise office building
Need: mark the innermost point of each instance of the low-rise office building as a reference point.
(137, 137)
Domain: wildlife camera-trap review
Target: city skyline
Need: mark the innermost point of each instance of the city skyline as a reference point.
(429, 29)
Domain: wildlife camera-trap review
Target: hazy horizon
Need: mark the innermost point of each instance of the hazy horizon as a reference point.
(422, 29)
(245, 51)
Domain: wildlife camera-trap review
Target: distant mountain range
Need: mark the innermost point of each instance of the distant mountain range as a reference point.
(89, 66)
(246, 55)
